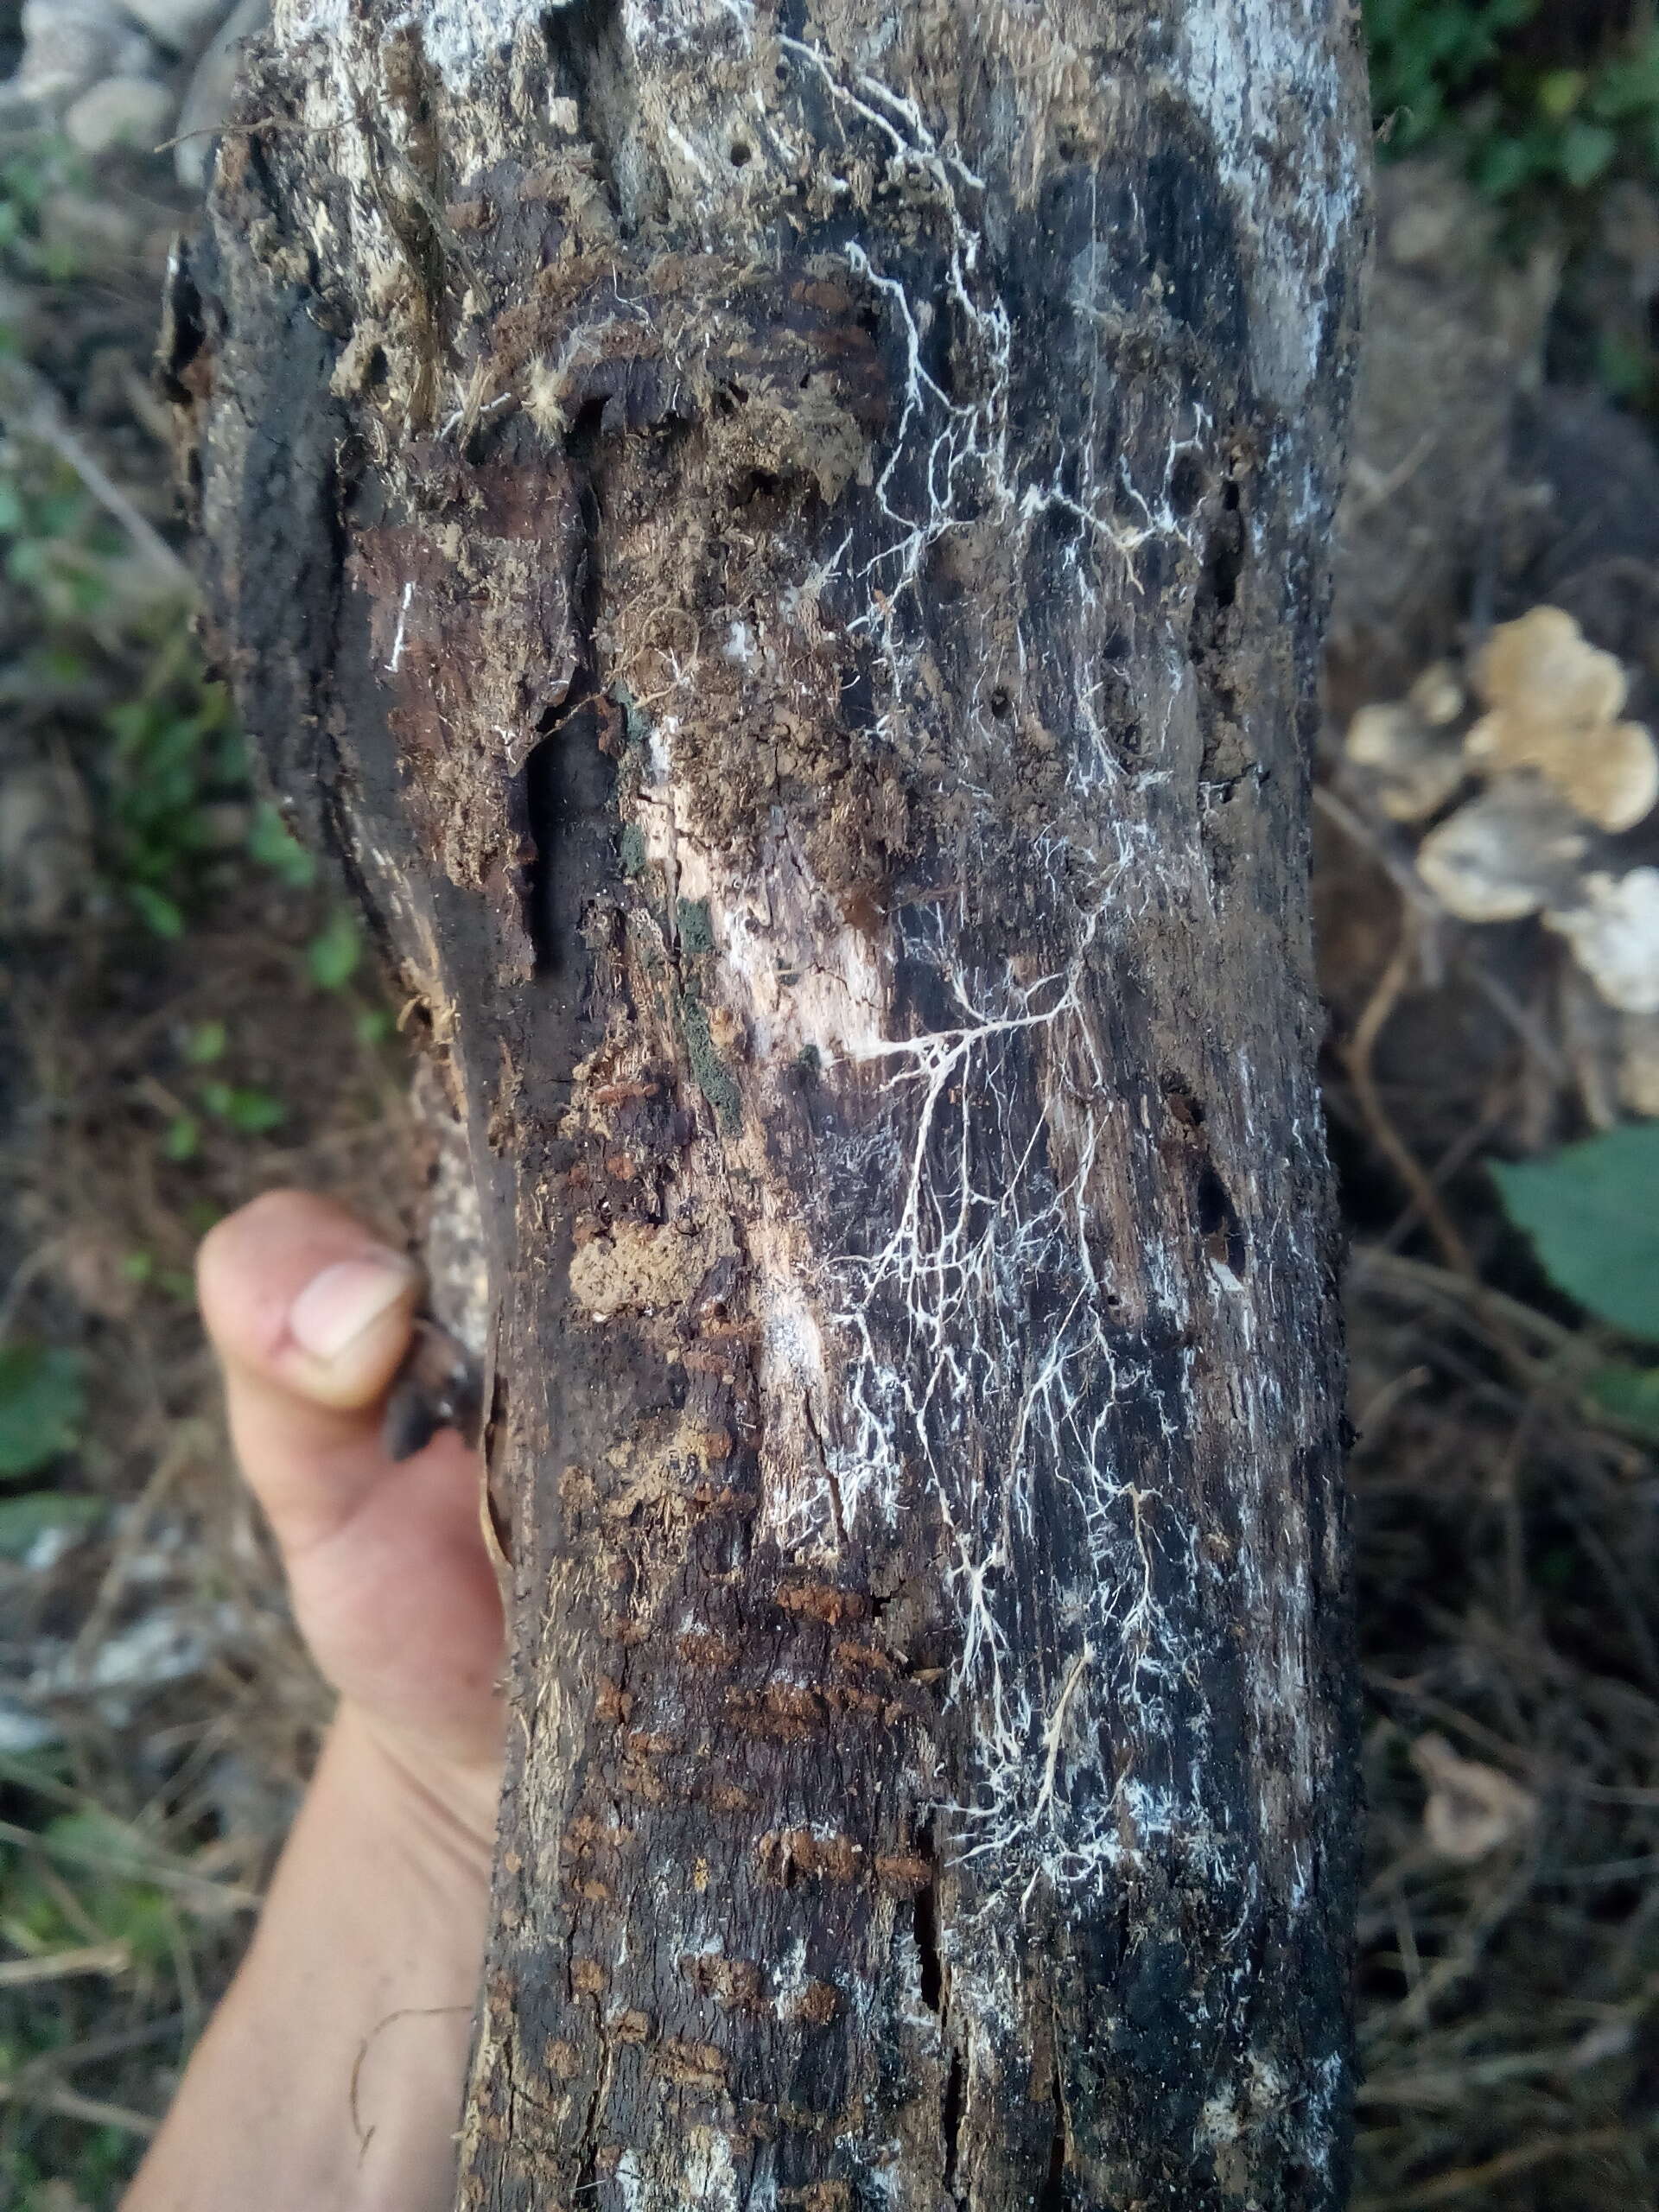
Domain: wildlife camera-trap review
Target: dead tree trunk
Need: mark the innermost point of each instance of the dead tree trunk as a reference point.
(783, 544)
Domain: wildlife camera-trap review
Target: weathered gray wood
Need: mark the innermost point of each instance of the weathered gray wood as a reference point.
(785, 546)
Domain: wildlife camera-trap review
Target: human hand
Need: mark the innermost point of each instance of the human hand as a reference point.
(329, 2078)
(392, 1588)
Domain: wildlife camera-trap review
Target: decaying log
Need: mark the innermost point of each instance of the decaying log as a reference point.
(783, 544)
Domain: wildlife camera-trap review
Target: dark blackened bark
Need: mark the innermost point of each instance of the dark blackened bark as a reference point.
(783, 544)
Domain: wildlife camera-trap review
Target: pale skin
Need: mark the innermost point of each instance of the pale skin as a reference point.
(330, 2079)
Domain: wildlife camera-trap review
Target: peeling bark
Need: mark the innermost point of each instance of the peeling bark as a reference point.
(784, 546)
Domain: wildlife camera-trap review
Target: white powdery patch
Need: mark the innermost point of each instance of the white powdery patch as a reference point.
(708, 2174)
(1247, 69)
(645, 22)
(800, 1508)
(460, 36)
(797, 975)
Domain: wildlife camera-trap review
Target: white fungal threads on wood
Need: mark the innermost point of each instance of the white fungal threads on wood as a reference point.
(908, 533)
(920, 1351)
(897, 1361)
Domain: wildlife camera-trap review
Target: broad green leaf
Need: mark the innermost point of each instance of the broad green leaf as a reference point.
(1592, 1211)
(1503, 165)
(42, 1398)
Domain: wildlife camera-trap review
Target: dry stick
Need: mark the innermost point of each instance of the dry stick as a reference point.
(41, 417)
(210, 1896)
(120, 2044)
(1454, 1157)
(135, 1528)
(1563, 1357)
(29, 1272)
(1394, 865)
(1357, 1058)
(69, 2104)
(1494, 1309)
(62, 1966)
(1445, 2187)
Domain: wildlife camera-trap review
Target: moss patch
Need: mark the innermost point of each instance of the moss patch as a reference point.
(695, 928)
(715, 1079)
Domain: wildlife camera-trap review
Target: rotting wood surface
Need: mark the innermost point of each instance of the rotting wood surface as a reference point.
(785, 546)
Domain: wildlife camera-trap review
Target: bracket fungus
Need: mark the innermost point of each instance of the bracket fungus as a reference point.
(1409, 755)
(1552, 702)
(1560, 774)
(1613, 928)
(1473, 1809)
(1513, 851)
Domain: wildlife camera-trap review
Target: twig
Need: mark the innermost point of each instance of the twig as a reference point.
(1357, 1057)
(1373, 489)
(1399, 870)
(1445, 2187)
(37, 412)
(1503, 1322)
(69, 2104)
(63, 1965)
(212, 1895)
(27, 1273)
(1454, 1157)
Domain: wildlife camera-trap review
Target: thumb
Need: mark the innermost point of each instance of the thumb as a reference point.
(310, 1318)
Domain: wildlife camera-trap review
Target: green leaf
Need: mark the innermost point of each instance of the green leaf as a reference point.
(253, 1112)
(155, 908)
(96, 1839)
(333, 954)
(43, 1400)
(270, 844)
(182, 1140)
(28, 560)
(1631, 1394)
(1592, 1211)
(1630, 88)
(25, 1519)
(1622, 366)
(206, 1043)
(1559, 92)
(1586, 149)
(374, 1025)
(1503, 165)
